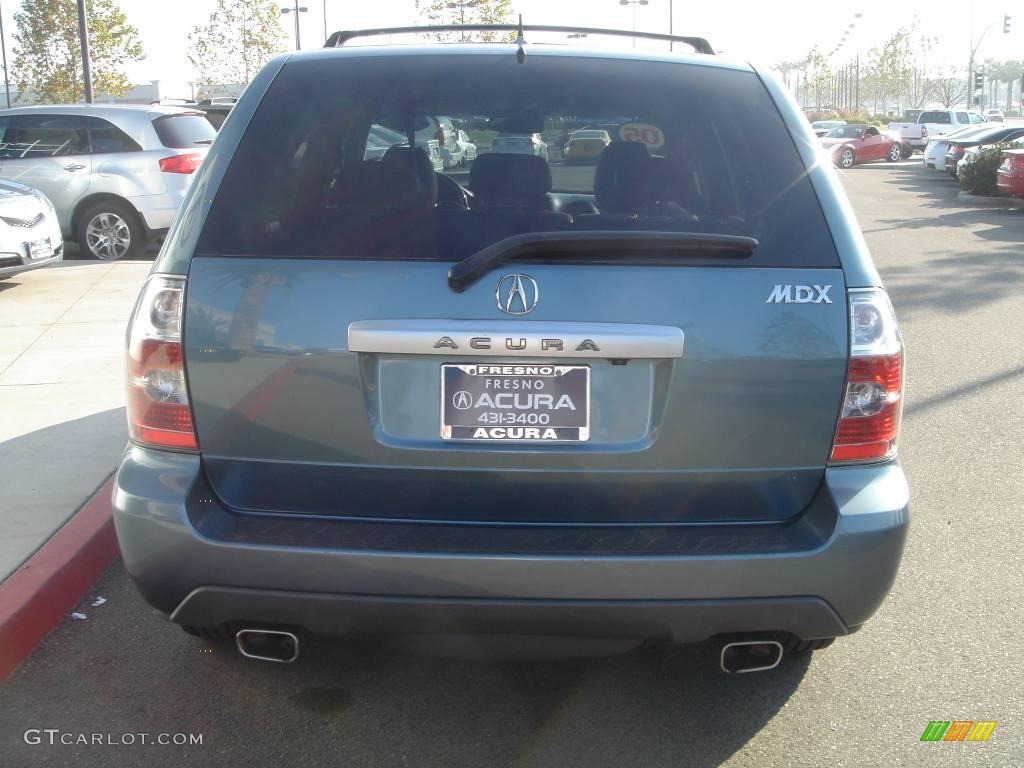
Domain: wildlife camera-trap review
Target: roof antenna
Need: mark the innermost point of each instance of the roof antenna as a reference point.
(520, 41)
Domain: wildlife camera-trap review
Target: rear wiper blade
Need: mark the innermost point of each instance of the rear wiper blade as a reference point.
(472, 268)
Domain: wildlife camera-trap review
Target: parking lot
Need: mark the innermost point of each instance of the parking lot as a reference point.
(944, 646)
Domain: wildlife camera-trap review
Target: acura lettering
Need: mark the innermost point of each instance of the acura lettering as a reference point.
(524, 401)
(518, 344)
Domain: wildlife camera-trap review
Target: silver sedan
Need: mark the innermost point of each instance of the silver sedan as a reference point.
(30, 235)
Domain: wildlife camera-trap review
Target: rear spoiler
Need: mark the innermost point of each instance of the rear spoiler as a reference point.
(338, 39)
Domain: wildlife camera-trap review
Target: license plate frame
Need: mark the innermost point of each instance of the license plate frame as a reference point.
(547, 392)
(39, 249)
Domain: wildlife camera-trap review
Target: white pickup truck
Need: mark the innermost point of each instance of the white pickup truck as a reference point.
(932, 123)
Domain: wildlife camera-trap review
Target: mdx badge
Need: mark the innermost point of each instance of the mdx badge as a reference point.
(517, 294)
(799, 294)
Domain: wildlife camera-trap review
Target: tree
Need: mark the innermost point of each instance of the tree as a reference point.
(947, 90)
(48, 62)
(467, 12)
(817, 74)
(891, 66)
(1008, 72)
(918, 49)
(239, 37)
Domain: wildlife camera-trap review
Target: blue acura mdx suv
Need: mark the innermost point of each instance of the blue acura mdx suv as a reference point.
(655, 396)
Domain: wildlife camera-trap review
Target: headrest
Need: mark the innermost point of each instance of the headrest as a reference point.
(410, 165)
(624, 181)
(501, 175)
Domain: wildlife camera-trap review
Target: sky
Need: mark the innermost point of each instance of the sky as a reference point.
(762, 31)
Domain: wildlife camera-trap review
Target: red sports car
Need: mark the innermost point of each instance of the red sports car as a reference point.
(1010, 176)
(850, 144)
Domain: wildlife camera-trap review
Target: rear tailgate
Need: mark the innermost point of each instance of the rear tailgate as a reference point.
(320, 368)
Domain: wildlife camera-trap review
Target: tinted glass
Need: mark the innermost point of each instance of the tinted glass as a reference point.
(962, 117)
(934, 117)
(107, 137)
(184, 130)
(216, 119)
(46, 136)
(302, 181)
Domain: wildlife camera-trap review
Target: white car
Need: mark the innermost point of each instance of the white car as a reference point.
(933, 123)
(994, 115)
(465, 147)
(935, 150)
(30, 235)
(521, 144)
(443, 131)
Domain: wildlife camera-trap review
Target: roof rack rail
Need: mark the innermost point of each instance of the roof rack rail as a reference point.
(338, 39)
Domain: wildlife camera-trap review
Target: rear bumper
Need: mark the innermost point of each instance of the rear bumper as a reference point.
(158, 211)
(820, 575)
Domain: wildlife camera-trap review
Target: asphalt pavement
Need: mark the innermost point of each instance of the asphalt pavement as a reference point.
(945, 645)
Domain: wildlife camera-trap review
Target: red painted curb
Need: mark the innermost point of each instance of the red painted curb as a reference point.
(40, 593)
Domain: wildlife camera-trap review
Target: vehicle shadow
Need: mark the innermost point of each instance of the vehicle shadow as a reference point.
(937, 187)
(961, 282)
(360, 702)
(50, 472)
(73, 254)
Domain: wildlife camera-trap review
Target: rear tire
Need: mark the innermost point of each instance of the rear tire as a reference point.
(110, 230)
(847, 158)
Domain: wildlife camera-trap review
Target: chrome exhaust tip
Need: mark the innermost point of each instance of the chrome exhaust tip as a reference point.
(277, 645)
(744, 656)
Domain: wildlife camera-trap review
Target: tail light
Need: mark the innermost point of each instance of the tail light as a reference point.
(873, 403)
(186, 163)
(159, 413)
(924, 132)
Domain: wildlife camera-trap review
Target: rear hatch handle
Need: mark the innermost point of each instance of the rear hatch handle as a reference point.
(692, 244)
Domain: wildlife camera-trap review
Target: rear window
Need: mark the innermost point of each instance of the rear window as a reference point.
(184, 130)
(343, 159)
(935, 117)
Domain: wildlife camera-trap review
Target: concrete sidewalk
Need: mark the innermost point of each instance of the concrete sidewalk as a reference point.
(62, 429)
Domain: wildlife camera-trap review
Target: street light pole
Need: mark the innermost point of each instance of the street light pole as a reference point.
(634, 4)
(325, 20)
(3, 47)
(671, 44)
(83, 36)
(297, 10)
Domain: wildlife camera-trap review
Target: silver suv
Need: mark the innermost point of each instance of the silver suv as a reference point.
(116, 173)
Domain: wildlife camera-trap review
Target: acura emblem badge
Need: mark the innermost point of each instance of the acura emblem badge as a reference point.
(517, 294)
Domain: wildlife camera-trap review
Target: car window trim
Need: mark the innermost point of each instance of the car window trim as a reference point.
(16, 124)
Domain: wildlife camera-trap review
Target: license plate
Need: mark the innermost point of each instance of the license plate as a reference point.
(40, 249)
(515, 403)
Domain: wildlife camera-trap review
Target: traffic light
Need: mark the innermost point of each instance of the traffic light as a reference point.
(1006, 23)
(979, 80)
